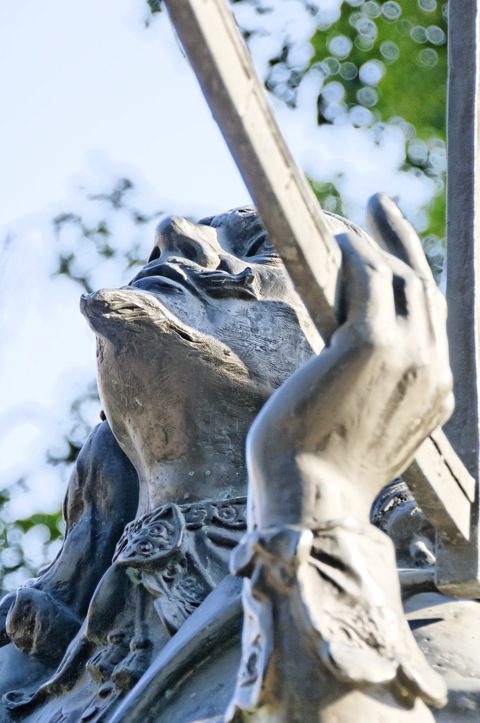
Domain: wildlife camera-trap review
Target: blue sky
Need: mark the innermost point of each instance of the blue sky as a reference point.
(81, 77)
(88, 95)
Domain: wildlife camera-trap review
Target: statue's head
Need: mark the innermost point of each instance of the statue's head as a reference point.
(202, 335)
(223, 278)
(217, 285)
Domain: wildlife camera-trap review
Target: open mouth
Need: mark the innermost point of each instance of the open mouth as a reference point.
(168, 276)
(175, 276)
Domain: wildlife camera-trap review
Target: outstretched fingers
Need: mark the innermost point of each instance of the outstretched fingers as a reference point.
(367, 301)
(394, 234)
(388, 302)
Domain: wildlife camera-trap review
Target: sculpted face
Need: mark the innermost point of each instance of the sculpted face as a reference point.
(222, 279)
(190, 350)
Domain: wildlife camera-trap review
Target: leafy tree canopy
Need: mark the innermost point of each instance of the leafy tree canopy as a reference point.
(380, 64)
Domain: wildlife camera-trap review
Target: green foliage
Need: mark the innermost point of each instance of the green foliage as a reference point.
(45, 531)
(387, 56)
(330, 197)
(91, 241)
(154, 6)
(383, 63)
(50, 521)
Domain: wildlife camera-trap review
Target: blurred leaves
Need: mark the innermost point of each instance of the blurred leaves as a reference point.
(27, 544)
(85, 241)
(379, 64)
(155, 6)
(385, 55)
(330, 197)
(105, 238)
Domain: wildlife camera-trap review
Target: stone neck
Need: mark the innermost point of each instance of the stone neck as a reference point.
(188, 480)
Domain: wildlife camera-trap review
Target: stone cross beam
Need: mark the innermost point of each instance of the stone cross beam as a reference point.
(458, 566)
(286, 203)
(444, 488)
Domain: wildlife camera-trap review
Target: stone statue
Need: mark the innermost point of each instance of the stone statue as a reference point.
(208, 348)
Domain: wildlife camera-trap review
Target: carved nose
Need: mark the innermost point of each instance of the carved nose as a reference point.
(195, 242)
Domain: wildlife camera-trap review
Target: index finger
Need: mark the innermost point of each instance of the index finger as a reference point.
(394, 234)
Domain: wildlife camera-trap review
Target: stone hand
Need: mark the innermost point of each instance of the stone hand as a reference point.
(351, 419)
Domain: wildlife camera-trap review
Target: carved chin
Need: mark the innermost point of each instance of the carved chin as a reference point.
(148, 358)
(116, 314)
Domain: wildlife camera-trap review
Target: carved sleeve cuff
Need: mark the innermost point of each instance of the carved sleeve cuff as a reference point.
(339, 585)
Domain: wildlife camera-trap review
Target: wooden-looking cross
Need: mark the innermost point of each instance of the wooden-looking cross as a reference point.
(458, 566)
(445, 487)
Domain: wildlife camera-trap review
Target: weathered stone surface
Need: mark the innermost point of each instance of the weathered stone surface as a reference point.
(188, 355)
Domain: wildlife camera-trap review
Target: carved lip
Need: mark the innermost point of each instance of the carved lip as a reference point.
(216, 283)
(166, 274)
(220, 283)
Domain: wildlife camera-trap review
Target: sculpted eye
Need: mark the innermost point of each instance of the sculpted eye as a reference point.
(262, 245)
(154, 255)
